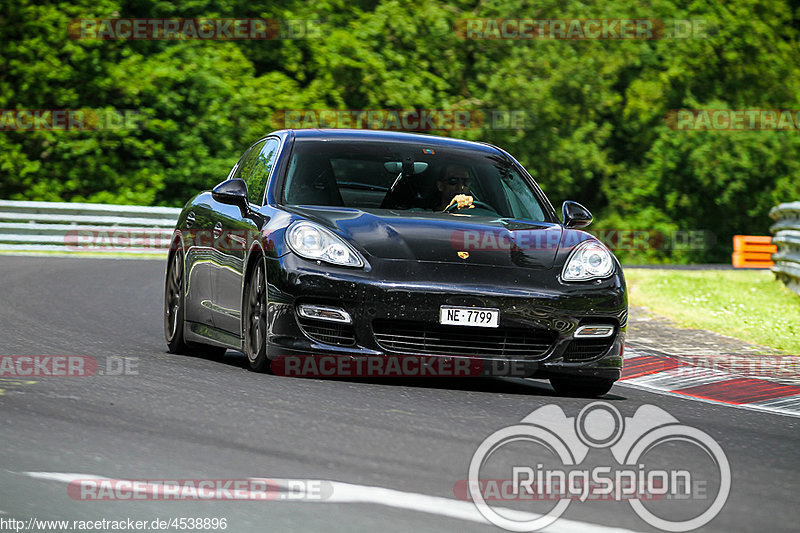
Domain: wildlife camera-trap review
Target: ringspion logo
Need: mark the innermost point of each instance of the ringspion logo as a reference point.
(556, 447)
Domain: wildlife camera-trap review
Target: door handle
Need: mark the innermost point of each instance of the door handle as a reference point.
(217, 229)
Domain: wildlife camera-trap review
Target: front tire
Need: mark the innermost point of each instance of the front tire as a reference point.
(581, 387)
(255, 320)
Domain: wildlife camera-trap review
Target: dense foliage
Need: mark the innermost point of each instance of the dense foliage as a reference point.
(596, 129)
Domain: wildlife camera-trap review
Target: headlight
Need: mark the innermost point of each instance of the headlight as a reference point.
(589, 260)
(312, 241)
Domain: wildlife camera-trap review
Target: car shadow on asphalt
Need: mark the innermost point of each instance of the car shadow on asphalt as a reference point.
(491, 385)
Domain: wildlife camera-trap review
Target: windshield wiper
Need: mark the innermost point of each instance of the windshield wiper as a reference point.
(396, 181)
(407, 169)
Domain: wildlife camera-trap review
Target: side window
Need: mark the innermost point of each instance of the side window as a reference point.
(248, 159)
(260, 170)
(521, 198)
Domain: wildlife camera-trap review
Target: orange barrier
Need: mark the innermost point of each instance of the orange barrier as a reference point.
(750, 251)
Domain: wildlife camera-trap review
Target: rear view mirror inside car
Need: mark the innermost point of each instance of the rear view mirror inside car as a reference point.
(395, 167)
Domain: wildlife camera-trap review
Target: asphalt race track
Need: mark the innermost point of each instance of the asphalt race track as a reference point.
(184, 417)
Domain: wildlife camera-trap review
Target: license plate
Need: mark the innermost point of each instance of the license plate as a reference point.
(469, 316)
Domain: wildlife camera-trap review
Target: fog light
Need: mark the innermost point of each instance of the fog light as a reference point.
(324, 312)
(594, 331)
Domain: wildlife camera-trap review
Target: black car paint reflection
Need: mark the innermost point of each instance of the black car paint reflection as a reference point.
(415, 260)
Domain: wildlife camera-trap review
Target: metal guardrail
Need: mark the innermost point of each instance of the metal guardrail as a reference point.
(786, 235)
(89, 228)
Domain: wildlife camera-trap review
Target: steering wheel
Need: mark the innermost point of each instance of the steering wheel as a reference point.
(476, 203)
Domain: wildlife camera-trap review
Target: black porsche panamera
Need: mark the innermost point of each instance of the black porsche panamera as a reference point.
(378, 244)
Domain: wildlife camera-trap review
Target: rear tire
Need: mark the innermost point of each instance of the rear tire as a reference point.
(173, 314)
(255, 320)
(581, 387)
(173, 304)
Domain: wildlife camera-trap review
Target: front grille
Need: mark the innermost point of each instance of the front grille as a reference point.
(436, 339)
(587, 349)
(328, 332)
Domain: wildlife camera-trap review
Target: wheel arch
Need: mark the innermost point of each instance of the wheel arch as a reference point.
(255, 254)
(175, 244)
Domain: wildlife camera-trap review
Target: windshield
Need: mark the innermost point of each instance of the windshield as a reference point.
(408, 177)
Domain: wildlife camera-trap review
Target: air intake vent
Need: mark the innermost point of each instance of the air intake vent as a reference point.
(328, 332)
(587, 349)
(436, 339)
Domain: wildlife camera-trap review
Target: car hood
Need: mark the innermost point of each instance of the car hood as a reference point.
(440, 237)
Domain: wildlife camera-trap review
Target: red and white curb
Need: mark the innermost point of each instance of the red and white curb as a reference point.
(670, 375)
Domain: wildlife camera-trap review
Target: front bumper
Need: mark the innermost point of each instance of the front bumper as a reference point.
(402, 292)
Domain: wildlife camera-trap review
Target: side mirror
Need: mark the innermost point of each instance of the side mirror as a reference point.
(232, 192)
(575, 215)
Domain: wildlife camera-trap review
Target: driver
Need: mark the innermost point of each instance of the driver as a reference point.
(454, 185)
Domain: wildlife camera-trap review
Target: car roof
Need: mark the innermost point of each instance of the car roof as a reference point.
(388, 136)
